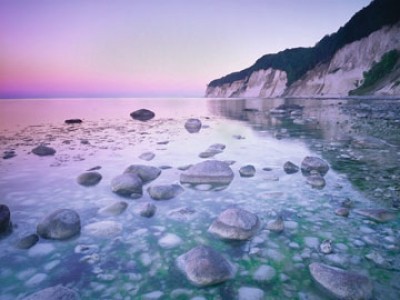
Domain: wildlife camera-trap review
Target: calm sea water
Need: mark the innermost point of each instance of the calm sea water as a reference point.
(359, 139)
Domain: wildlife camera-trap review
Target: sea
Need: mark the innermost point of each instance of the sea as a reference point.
(135, 256)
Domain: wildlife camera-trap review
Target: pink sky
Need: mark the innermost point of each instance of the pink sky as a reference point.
(151, 47)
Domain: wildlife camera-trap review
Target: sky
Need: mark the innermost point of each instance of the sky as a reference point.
(149, 48)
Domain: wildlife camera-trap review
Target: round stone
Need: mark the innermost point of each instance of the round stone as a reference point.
(89, 178)
(60, 225)
(143, 115)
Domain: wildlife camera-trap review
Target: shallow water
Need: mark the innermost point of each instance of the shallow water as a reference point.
(131, 263)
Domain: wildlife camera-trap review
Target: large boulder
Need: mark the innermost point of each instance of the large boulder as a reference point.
(128, 185)
(341, 284)
(204, 266)
(235, 224)
(5, 217)
(146, 173)
(193, 125)
(209, 171)
(143, 115)
(43, 150)
(89, 178)
(54, 293)
(164, 192)
(60, 225)
(311, 163)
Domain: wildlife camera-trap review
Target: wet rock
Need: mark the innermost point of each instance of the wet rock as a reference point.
(143, 115)
(250, 293)
(54, 293)
(127, 184)
(326, 247)
(169, 241)
(60, 225)
(378, 259)
(264, 273)
(340, 283)
(238, 137)
(209, 171)
(347, 203)
(89, 178)
(73, 121)
(182, 214)
(193, 125)
(342, 211)
(316, 180)
(146, 173)
(290, 168)
(377, 214)
(43, 150)
(235, 224)
(212, 151)
(247, 171)
(103, 229)
(146, 209)
(165, 192)
(27, 241)
(276, 225)
(5, 218)
(311, 163)
(114, 209)
(204, 266)
(9, 154)
(147, 156)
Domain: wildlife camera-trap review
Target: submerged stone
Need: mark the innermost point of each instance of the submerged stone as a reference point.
(114, 209)
(147, 156)
(127, 184)
(276, 225)
(5, 218)
(342, 211)
(169, 241)
(60, 225)
(235, 224)
(54, 293)
(250, 293)
(316, 180)
(290, 168)
(311, 163)
(377, 214)
(146, 173)
(212, 151)
(103, 229)
(209, 171)
(89, 178)
(143, 115)
(43, 150)
(182, 214)
(247, 171)
(203, 266)
(340, 283)
(264, 273)
(27, 241)
(164, 192)
(146, 209)
(193, 125)
(326, 247)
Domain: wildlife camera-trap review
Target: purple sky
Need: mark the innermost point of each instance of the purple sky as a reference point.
(151, 48)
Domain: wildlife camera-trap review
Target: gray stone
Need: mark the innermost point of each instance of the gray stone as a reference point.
(290, 168)
(43, 150)
(342, 211)
(60, 225)
(182, 214)
(127, 184)
(235, 224)
(340, 283)
(377, 214)
(247, 171)
(147, 156)
(5, 218)
(276, 225)
(209, 171)
(146, 173)
(143, 115)
(203, 266)
(27, 241)
(193, 125)
(311, 163)
(146, 209)
(326, 247)
(165, 192)
(264, 273)
(9, 154)
(114, 209)
(316, 180)
(89, 178)
(103, 229)
(212, 150)
(54, 293)
(250, 293)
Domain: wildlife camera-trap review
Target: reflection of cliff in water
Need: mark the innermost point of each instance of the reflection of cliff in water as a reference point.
(359, 138)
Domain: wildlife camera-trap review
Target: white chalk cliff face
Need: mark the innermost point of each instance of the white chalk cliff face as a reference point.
(343, 73)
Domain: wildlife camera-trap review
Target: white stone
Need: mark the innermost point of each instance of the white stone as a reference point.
(169, 241)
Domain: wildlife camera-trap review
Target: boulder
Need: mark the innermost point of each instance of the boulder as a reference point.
(27, 241)
(193, 125)
(146, 173)
(128, 185)
(209, 171)
(247, 171)
(73, 121)
(54, 293)
(146, 209)
(235, 224)
(290, 168)
(311, 163)
(89, 178)
(164, 192)
(114, 209)
(5, 218)
(341, 284)
(60, 225)
(43, 150)
(143, 115)
(377, 214)
(203, 266)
